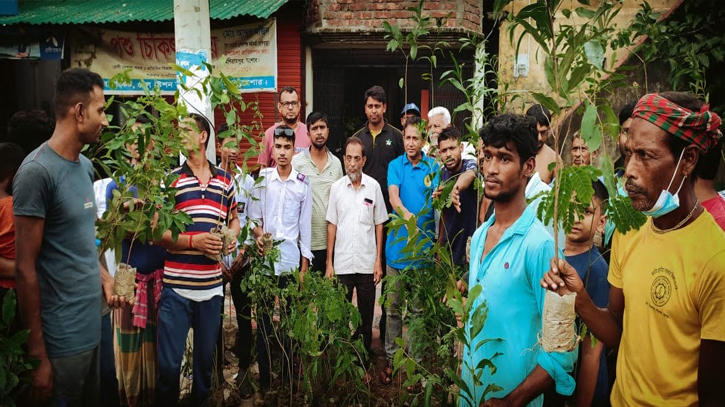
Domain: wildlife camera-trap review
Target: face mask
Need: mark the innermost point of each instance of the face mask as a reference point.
(667, 202)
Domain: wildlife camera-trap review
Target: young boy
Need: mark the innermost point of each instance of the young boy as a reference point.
(583, 255)
(11, 156)
(281, 206)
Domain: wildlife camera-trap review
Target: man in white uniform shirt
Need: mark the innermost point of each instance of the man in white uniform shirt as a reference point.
(282, 206)
(355, 217)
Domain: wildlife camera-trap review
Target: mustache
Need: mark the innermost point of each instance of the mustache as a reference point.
(630, 186)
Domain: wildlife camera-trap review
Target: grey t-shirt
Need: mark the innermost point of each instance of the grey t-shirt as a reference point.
(61, 191)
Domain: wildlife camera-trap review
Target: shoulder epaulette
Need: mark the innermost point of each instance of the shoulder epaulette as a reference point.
(303, 178)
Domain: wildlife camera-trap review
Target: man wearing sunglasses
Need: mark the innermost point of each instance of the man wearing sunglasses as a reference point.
(288, 106)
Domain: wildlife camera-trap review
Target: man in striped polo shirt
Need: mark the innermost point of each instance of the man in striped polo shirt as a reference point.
(193, 285)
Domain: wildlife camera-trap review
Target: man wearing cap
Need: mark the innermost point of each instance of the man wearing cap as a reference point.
(409, 110)
(670, 273)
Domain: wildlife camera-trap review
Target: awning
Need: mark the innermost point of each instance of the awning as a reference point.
(121, 11)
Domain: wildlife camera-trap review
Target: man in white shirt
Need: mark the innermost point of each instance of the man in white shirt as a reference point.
(282, 206)
(355, 217)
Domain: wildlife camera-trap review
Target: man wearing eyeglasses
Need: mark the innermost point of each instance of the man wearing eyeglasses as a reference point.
(288, 106)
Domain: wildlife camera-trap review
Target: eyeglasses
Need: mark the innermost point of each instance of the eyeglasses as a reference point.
(289, 105)
(287, 132)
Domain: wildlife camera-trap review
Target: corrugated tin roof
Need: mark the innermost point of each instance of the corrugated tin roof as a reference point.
(119, 11)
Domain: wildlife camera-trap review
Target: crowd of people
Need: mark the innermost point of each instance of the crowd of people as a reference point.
(96, 348)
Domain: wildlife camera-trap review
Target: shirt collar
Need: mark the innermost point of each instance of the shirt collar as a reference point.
(407, 161)
(348, 181)
(275, 174)
(520, 227)
(186, 170)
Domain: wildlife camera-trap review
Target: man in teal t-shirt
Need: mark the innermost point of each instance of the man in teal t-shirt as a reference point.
(412, 178)
(509, 255)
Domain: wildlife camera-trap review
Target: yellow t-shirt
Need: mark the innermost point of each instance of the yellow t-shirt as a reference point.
(674, 296)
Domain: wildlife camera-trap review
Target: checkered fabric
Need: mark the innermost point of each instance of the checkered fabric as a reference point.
(700, 128)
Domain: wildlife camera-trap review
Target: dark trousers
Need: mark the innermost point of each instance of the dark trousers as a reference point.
(266, 339)
(176, 315)
(365, 286)
(244, 342)
(75, 380)
(319, 263)
(383, 318)
(109, 382)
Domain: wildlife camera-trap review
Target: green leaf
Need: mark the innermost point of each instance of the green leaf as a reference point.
(9, 307)
(585, 13)
(595, 53)
(547, 101)
(401, 82)
(566, 12)
(578, 75)
(589, 127)
(413, 51)
(491, 388)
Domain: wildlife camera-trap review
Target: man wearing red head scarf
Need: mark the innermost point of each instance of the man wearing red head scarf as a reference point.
(670, 273)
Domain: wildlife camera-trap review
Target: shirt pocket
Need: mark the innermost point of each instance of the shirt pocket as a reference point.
(366, 214)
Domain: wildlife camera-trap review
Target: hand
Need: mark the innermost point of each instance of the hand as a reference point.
(562, 278)
(260, 245)
(456, 198)
(377, 273)
(461, 286)
(329, 271)
(232, 246)
(226, 273)
(496, 403)
(207, 243)
(302, 275)
(114, 301)
(407, 215)
(238, 262)
(438, 192)
(42, 379)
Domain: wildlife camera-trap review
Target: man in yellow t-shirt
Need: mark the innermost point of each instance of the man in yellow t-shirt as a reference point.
(670, 273)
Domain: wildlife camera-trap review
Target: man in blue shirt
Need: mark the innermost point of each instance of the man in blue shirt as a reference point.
(412, 178)
(509, 254)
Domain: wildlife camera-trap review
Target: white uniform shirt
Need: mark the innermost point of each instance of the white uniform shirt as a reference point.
(284, 209)
(245, 184)
(355, 213)
(99, 190)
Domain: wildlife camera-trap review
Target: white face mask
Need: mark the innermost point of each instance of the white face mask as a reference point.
(667, 202)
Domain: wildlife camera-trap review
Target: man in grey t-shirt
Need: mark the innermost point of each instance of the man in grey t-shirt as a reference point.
(57, 269)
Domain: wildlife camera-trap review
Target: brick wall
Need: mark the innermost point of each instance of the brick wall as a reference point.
(368, 15)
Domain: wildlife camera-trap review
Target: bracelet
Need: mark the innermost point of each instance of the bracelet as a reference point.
(191, 241)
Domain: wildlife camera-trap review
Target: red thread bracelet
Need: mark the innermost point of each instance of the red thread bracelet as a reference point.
(191, 240)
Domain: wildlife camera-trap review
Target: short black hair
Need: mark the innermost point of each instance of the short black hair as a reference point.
(11, 156)
(314, 117)
(541, 114)
(413, 121)
(689, 101)
(449, 133)
(287, 89)
(600, 191)
(354, 140)
(709, 162)
(279, 132)
(74, 85)
(376, 92)
(512, 128)
(202, 123)
(626, 112)
(29, 129)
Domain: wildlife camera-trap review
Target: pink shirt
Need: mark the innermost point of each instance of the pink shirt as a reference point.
(716, 207)
(302, 142)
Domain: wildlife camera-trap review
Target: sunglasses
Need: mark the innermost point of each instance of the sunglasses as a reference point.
(283, 132)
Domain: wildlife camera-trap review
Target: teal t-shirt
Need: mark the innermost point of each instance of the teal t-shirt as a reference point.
(60, 191)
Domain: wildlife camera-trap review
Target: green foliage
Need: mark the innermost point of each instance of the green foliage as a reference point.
(158, 144)
(15, 364)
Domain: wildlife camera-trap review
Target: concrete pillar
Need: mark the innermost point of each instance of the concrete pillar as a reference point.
(193, 46)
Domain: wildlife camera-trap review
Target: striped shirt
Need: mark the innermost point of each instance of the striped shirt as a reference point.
(191, 274)
(321, 183)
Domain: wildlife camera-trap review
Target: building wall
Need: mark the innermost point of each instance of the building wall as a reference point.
(535, 81)
(355, 15)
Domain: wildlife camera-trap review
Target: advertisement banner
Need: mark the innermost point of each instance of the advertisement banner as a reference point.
(50, 47)
(250, 51)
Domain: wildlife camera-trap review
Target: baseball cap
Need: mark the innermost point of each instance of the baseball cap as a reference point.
(410, 107)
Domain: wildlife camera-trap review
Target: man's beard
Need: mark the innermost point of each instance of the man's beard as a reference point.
(354, 176)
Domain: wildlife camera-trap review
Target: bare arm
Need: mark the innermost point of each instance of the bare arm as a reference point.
(378, 268)
(396, 202)
(605, 323)
(7, 268)
(465, 180)
(588, 372)
(535, 383)
(710, 389)
(331, 235)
